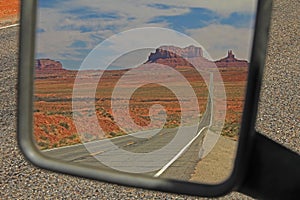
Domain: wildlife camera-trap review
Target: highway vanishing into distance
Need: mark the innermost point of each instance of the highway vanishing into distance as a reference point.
(171, 153)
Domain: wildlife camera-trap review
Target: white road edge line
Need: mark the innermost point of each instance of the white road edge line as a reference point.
(179, 154)
(63, 147)
(189, 144)
(9, 26)
(95, 141)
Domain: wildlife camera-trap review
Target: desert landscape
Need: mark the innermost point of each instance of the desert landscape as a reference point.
(53, 115)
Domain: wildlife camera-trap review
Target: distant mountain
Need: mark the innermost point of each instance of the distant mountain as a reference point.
(165, 52)
(176, 56)
(47, 65)
(167, 55)
(231, 61)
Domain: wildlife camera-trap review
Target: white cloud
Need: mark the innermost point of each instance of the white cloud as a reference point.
(135, 39)
(133, 14)
(141, 7)
(54, 42)
(217, 39)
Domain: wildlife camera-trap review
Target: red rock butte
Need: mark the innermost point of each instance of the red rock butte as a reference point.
(167, 55)
(231, 61)
(175, 56)
(175, 52)
(47, 65)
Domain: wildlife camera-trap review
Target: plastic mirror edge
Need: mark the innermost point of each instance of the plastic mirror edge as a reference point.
(255, 76)
(25, 136)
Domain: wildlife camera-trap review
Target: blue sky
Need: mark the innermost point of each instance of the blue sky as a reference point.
(68, 30)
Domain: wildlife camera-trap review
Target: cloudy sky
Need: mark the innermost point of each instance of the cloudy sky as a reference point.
(68, 30)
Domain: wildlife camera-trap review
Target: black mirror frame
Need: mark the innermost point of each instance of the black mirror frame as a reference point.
(247, 131)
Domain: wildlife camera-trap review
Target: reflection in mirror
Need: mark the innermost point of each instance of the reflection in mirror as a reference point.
(145, 87)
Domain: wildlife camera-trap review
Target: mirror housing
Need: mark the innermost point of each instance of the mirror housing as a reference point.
(247, 131)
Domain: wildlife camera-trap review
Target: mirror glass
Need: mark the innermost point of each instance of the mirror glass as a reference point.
(145, 87)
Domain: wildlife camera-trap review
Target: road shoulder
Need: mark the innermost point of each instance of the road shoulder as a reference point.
(218, 164)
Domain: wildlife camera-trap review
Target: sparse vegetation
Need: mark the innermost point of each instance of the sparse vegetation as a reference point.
(44, 128)
(65, 125)
(72, 137)
(52, 128)
(115, 134)
(230, 129)
(64, 113)
(62, 141)
(43, 145)
(54, 116)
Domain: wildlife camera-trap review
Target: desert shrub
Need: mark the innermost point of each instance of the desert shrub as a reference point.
(108, 115)
(52, 128)
(44, 138)
(43, 145)
(72, 137)
(65, 125)
(230, 129)
(63, 141)
(171, 126)
(64, 113)
(44, 128)
(115, 134)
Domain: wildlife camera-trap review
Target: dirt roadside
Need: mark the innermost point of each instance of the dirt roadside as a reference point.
(9, 12)
(218, 164)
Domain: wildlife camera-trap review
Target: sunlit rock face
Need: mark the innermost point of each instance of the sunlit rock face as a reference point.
(175, 56)
(231, 61)
(48, 64)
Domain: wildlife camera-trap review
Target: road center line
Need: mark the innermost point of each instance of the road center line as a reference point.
(179, 153)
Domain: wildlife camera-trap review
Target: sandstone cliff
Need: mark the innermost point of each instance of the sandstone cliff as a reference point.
(47, 65)
(175, 56)
(164, 52)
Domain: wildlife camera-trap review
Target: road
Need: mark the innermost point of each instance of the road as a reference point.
(132, 154)
(168, 152)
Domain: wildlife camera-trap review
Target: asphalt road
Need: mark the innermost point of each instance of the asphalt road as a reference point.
(278, 118)
(138, 155)
(171, 152)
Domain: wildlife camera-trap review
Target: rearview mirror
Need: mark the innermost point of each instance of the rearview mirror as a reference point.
(155, 95)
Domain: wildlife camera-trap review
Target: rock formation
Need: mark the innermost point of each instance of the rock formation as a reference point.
(47, 65)
(167, 55)
(231, 61)
(175, 56)
(175, 52)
